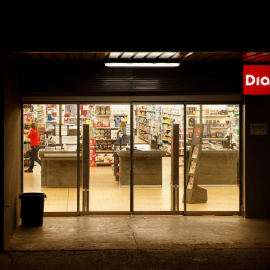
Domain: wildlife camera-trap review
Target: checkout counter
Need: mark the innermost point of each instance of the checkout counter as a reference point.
(147, 166)
(217, 167)
(59, 168)
(218, 162)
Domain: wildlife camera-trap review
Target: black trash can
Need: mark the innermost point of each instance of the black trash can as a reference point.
(32, 206)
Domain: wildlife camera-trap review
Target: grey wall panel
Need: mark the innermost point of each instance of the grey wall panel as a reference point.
(257, 149)
(189, 78)
(73, 78)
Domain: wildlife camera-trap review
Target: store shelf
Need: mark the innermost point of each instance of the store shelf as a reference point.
(105, 139)
(173, 114)
(219, 127)
(216, 115)
(212, 139)
(106, 127)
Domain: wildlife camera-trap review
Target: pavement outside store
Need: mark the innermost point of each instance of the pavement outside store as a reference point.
(141, 242)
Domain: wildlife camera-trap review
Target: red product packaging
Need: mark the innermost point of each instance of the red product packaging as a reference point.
(92, 152)
(92, 161)
(92, 142)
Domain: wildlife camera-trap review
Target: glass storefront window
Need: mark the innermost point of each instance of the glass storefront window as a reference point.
(209, 182)
(50, 159)
(212, 176)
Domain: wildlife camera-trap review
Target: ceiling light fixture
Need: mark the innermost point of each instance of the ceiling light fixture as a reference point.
(127, 55)
(167, 55)
(114, 54)
(140, 55)
(142, 64)
(153, 54)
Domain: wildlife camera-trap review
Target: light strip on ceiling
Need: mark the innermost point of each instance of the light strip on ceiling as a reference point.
(140, 55)
(167, 54)
(154, 55)
(127, 55)
(114, 54)
(142, 64)
(176, 55)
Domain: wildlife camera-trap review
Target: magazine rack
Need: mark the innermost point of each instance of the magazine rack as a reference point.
(195, 194)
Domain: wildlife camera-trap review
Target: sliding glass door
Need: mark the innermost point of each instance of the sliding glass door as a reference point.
(106, 188)
(157, 175)
(111, 130)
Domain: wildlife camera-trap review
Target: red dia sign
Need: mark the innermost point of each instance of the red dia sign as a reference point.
(256, 80)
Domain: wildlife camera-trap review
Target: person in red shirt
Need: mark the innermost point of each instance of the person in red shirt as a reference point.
(35, 139)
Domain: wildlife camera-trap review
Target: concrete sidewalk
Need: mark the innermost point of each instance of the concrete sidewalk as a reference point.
(141, 242)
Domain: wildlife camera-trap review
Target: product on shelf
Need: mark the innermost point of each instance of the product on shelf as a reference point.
(99, 157)
(190, 182)
(108, 158)
(191, 122)
(195, 151)
(92, 151)
(192, 166)
(219, 134)
(107, 110)
(92, 161)
(191, 110)
(98, 110)
(114, 134)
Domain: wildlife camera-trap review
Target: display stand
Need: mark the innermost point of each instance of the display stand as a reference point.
(195, 194)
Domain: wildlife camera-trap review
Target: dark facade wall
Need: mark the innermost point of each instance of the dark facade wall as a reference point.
(92, 80)
(257, 159)
(12, 150)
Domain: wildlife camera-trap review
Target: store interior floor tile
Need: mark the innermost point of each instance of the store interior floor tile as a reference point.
(106, 195)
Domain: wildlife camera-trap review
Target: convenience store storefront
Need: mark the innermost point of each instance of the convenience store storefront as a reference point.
(207, 92)
(152, 102)
(105, 185)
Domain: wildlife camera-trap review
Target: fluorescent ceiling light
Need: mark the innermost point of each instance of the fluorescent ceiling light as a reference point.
(167, 54)
(114, 54)
(142, 64)
(140, 55)
(153, 55)
(127, 55)
(176, 55)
